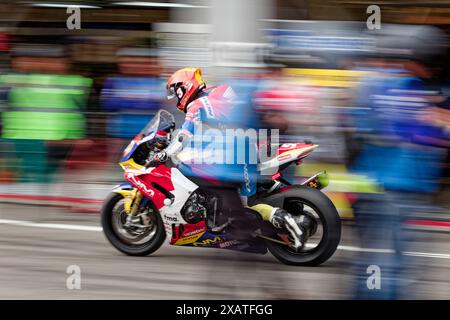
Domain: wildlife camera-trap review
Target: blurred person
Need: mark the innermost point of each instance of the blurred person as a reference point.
(303, 102)
(277, 104)
(6, 173)
(44, 112)
(134, 94)
(439, 117)
(266, 96)
(397, 155)
(214, 106)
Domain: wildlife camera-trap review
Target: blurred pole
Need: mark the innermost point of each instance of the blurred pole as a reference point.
(224, 38)
(184, 41)
(239, 21)
(237, 40)
(200, 12)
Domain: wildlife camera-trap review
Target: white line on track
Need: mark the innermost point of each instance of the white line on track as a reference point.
(23, 223)
(75, 227)
(427, 255)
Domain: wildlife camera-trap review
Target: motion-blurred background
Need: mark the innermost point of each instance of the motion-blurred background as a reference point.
(376, 101)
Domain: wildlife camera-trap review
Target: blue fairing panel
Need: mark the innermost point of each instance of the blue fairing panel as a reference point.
(129, 151)
(124, 186)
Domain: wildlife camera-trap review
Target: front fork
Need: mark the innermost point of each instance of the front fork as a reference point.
(133, 198)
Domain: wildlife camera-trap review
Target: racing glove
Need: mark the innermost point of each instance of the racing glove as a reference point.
(160, 156)
(157, 158)
(176, 146)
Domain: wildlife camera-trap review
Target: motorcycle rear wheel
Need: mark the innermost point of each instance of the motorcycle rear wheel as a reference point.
(331, 225)
(126, 245)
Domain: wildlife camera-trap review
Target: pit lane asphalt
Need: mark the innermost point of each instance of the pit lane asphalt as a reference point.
(34, 260)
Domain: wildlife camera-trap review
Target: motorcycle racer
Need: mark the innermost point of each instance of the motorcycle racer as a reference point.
(214, 106)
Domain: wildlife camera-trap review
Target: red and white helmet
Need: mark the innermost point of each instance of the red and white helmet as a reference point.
(185, 84)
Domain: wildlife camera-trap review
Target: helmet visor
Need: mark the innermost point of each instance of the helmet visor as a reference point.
(171, 93)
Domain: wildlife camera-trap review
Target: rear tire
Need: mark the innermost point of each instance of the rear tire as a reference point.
(331, 233)
(126, 247)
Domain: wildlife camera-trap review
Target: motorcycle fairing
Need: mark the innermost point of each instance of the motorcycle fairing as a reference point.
(182, 190)
(130, 165)
(288, 152)
(128, 152)
(224, 241)
(122, 186)
(162, 121)
(184, 234)
(162, 185)
(136, 142)
(197, 235)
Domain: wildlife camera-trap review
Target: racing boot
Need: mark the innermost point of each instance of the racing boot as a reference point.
(303, 218)
(308, 222)
(282, 219)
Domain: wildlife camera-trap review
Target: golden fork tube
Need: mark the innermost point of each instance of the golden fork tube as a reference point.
(136, 202)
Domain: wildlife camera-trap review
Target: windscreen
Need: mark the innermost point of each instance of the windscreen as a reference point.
(163, 120)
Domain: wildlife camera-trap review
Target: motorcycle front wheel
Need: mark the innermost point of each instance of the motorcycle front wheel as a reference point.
(140, 236)
(321, 246)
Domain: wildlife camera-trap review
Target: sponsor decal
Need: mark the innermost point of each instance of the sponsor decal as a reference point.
(169, 218)
(247, 179)
(208, 108)
(227, 244)
(187, 234)
(141, 185)
(188, 240)
(313, 184)
(208, 242)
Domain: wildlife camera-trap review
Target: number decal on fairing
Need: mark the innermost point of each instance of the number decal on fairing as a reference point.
(288, 145)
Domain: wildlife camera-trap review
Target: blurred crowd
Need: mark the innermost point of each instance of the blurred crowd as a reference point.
(385, 117)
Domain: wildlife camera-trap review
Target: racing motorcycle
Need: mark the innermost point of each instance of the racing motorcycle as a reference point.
(159, 202)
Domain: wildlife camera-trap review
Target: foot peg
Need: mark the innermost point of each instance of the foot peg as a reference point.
(220, 228)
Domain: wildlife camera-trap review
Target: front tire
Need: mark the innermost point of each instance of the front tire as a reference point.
(109, 213)
(331, 222)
